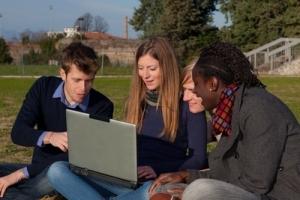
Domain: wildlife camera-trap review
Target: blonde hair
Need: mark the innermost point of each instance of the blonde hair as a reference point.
(187, 72)
(169, 90)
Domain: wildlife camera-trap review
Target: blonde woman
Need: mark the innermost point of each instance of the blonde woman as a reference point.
(170, 137)
(166, 191)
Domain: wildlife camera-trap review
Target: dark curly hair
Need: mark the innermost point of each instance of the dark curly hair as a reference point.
(228, 63)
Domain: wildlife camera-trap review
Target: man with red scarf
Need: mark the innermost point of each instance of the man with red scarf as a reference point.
(258, 153)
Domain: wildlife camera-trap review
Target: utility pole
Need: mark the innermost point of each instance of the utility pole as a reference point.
(102, 62)
(1, 25)
(126, 27)
(80, 20)
(51, 20)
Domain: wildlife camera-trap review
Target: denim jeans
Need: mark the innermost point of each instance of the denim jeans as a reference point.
(211, 189)
(32, 188)
(75, 187)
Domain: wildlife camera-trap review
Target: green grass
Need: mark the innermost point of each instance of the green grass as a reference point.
(117, 90)
(12, 93)
(13, 90)
(287, 89)
(37, 70)
(27, 70)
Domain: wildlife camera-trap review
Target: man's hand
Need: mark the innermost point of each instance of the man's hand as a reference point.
(176, 177)
(146, 172)
(57, 139)
(9, 180)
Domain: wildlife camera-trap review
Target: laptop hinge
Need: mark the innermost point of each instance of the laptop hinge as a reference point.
(86, 172)
(98, 117)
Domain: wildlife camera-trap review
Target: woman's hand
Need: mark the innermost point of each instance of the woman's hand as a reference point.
(146, 172)
(176, 177)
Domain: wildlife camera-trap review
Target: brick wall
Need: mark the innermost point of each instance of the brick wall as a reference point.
(118, 50)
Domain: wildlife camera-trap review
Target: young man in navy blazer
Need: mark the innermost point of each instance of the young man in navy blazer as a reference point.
(41, 122)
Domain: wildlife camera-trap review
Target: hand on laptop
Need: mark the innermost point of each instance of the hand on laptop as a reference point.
(57, 139)
(146, 172)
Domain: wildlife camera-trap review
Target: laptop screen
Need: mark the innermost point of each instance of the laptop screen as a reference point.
(104, 147)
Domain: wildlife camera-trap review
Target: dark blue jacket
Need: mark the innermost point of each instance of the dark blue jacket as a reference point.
(41, 112)
(188, 151)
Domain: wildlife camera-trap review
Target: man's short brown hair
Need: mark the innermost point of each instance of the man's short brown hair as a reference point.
(82, 56)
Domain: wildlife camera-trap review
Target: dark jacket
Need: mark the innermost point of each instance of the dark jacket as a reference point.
(188, 151)
(46, 113)
(262, 155)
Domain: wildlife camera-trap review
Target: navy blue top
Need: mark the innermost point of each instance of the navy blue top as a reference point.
(46, 113)
(191, 134)
(59, 93)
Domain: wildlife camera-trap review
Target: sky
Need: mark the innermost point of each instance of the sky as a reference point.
(17, 16)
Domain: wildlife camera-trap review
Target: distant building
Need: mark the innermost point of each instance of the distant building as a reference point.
(118, 50)
(18, 50)
(69, 32)
(54, 34)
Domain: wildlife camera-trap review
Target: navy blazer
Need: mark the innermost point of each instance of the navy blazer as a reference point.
(41, 112)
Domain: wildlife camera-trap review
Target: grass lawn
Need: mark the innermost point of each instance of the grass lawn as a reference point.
(12, 93)
(13, 90)
(34, 70)
(287, 89)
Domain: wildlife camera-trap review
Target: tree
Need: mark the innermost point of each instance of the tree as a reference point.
(146, 18)
(85, 22)
(33, 57)
(48, 49)
(26, 36)
(88, 22)
(187, 25)
(256, 22)
(100, 25)
(4, 52)
(184, 23)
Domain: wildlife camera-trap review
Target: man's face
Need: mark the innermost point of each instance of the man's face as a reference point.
(77, 84)
(203, 90)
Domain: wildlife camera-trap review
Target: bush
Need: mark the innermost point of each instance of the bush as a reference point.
(106, 61)
(34, 58)
(4, 52)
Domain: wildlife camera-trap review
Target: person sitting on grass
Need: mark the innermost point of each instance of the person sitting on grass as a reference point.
(41, 122)
(258, 154)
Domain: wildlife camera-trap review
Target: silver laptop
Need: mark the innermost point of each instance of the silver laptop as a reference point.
(101, 147)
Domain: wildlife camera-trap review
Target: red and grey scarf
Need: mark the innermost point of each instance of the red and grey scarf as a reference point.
(221, 120)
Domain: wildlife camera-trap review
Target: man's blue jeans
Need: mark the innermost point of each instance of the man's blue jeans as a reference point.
(32, 188)
(77, 187)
